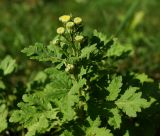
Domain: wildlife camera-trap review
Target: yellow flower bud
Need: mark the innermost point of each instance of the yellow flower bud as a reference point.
(69, 68)
(77, 20)
(69, 24)
(55, 42)
(79, 38)
(60, 30)
(64, 18)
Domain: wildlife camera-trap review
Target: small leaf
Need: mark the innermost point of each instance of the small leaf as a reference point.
(118, 50)
(3, 117)
(131, 102)
(83, 71)
(115, 120)
(8, 65)
(66, 106)
(101, 36)
(143, 78)
(35, 114)
(95, 130)
(2, 85)
(127, 133)
(34, 50)
(114, 88)
(40, 53)
(67, 133)
(85, 52)
(67, 103)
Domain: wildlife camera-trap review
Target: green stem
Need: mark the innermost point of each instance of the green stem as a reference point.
(73, 44)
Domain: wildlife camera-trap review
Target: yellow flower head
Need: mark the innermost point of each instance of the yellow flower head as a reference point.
(79, 38)
(60, 30)
(77, 20)
(69, 24)
(64, 18)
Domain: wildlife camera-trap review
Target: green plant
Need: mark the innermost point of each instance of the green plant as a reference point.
(81, 92)
(7, 90)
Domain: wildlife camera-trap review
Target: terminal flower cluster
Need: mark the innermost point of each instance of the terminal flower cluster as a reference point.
(71, 26)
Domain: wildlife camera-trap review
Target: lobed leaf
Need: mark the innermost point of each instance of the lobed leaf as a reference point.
(101, 36)
(118, 50)
(131, 102)
(143, 78)
(115, 119)
(3, 117)
(114, 88)
(8, 65)
(86, 51)
(95, 130)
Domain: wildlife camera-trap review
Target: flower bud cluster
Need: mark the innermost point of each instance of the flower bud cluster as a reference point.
(70, 25)
(69, 68)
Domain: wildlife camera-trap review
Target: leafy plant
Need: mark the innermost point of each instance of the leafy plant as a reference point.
(81, 92)
(7, 95)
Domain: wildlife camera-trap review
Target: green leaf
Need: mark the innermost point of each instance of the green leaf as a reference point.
(36, 115)
(131, 102)
(3, 117)
(8, 65)
(77, 86)
(2, 85)
(114, 88)
(67, 103)
(53, 92)
(86, 51)
(115, 119)
(118, 50)
(101, 36)
(127, 133)
(66, 106)
(40, 77)
(98, 132)
(95, 130)
(59, 86)
(39, 52)
(56, 49)
(34, 50)
(41, 124)
(83, 71)
(66, 133)
(143, 78)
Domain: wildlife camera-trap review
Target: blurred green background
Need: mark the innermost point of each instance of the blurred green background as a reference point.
(137, 22)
